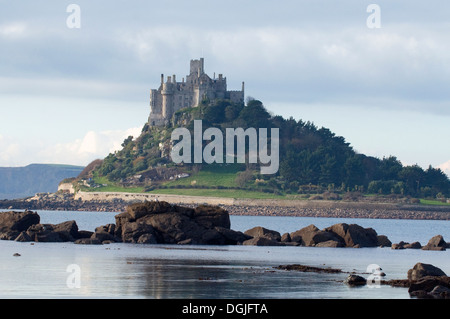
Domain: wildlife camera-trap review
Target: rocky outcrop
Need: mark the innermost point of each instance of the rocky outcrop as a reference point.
(64, 232)
(13, 224)
(260, 236)
(428, 281)
(146, 223)
(263, 232)
(405, 245)
(421, 270)
(354, 235)
(355, 280)
(164, 223)
(338, 235)
(105, 234)
(436, 243)
(312, 236)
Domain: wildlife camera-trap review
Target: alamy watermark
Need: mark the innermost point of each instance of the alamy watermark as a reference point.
(374, 19)
(235, 139)
(73, 21)
(74, 278)
(374, 279)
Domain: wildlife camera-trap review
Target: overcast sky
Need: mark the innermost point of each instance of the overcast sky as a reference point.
(71, 95)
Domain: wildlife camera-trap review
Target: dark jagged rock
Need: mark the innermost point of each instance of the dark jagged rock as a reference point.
(13, 223)
(404, 245)
(286, 238)
(23, 237)
(436, 243)
(262, 241)
(400, 245)
(88, 241)
(105, 233)
(313, 236)
(414, 245)
(305, 268)
(355, 280)
(263, 232)
(64, 232)
(383, 241)
(232, 237)
(339, 235)
(431, 287)
(421, 270)
(428, 281)
(355, 235)
(211, 216)
(164, 223)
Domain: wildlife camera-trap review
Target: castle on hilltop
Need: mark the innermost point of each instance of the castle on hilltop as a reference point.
(172, 95)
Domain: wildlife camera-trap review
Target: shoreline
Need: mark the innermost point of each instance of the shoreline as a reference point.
(117, 202)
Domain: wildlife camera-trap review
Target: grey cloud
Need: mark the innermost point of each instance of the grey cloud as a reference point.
(288, 50)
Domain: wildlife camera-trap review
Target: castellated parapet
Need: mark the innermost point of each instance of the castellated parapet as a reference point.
(172, 95)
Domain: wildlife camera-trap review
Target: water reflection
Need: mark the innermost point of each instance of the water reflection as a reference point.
(199, 279)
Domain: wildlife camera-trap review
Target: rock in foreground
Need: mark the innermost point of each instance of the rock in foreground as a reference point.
(163, 223)
(421, 270)
(428, 281)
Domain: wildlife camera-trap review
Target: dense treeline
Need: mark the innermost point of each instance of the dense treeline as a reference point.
(310, 157)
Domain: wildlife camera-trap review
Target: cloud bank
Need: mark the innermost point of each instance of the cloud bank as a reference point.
(82, 151)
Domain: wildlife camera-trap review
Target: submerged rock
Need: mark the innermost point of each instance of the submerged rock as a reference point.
(88, 241)
(262, 241)
(355, 280)
(305, 268)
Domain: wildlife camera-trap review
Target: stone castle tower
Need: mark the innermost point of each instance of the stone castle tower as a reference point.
(172, 95)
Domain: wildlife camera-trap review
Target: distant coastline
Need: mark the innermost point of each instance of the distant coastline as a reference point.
(117, 202)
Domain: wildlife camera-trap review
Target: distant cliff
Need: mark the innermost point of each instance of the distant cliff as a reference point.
(19, 182)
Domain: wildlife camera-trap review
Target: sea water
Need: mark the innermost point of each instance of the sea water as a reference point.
(45, 270)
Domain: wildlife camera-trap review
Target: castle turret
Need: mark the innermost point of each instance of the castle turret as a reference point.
(197, 67)
(167, 93)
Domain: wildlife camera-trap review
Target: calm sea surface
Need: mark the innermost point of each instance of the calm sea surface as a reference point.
(170, 271)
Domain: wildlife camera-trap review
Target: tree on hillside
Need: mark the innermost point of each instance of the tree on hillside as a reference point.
(255, 115)
(413, 177)
(389, 168)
